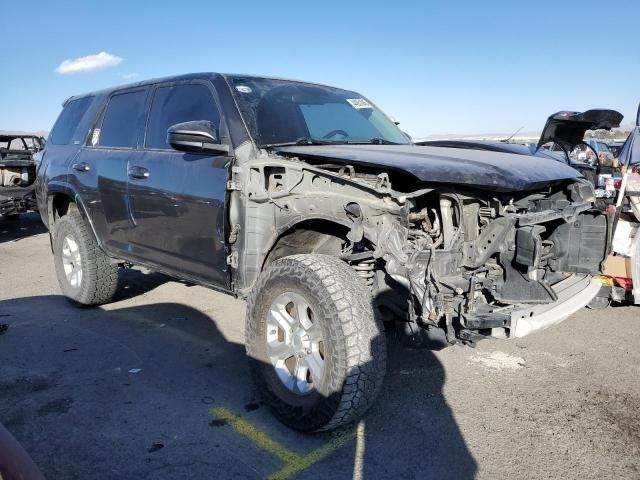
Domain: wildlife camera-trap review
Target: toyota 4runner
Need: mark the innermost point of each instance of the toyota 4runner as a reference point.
(309, 202)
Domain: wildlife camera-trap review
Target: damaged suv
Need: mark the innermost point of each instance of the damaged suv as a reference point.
(18, 173)
(310, 203)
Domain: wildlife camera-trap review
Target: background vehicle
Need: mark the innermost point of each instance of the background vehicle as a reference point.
(615, 148)
(310, 203)
(18, 172)
(597, 151)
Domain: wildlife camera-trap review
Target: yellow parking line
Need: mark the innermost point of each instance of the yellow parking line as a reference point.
(293, 462)
(258, 437)
(302, 463)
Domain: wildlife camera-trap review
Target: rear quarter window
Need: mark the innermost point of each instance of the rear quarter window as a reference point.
(68, 121)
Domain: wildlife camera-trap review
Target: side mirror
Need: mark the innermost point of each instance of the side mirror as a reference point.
(195, 137)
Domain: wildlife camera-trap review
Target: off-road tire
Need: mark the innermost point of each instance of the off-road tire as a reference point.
(100, 276)
(355, 345)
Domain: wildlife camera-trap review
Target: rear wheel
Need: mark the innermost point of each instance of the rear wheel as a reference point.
(85, 273)
(317, 352)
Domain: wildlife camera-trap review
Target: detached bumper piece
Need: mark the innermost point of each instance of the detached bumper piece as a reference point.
(574, 293)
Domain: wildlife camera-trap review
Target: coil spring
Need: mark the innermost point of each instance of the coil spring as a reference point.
(366, 270)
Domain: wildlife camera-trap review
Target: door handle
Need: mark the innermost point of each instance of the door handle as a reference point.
(81, 167)
(139, 173)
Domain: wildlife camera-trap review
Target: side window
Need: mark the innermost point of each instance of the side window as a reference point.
(121, 120)
(176, 104)
(68, 121)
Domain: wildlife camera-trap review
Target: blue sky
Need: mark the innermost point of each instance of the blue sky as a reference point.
(437, 67)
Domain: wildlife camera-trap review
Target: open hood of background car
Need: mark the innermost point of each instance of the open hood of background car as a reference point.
(474, 168)
(568, 128)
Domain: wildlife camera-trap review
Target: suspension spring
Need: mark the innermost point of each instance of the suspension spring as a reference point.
(366, 270)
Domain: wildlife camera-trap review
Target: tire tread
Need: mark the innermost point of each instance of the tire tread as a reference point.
(361, 351)
(100, 275)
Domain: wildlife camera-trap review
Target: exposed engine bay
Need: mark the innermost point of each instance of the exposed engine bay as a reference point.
(473, 258)
(445, 263)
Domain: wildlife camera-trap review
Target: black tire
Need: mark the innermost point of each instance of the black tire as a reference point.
(354, 352)
(99, 279)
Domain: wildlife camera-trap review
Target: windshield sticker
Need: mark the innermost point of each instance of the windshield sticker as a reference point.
(359, 103)
(95, 138)
(243, 89)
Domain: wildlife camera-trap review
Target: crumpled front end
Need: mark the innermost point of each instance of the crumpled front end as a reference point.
(505, 264)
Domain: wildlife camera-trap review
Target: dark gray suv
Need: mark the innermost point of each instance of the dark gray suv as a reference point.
(311, 204)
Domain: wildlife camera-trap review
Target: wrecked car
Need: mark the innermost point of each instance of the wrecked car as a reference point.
(564, 131)
(310, 203)
(18, 173)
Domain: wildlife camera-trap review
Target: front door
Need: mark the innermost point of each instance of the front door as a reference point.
(177, 199)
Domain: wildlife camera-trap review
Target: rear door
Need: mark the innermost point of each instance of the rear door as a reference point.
(100, 169)
(177, 199)
(65, 140)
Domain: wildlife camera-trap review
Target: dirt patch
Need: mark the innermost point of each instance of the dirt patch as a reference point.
(58, 406)
(23, 386)
(500, 361)
(620, 410)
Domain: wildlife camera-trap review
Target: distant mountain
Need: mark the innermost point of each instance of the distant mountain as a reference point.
(41, 133)
(524, 137)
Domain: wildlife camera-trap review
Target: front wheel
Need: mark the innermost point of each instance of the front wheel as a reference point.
(316, 351)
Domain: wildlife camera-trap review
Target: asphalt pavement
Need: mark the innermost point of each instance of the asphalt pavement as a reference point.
(155, 386)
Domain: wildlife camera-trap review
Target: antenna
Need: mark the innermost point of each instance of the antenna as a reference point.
(513, 134)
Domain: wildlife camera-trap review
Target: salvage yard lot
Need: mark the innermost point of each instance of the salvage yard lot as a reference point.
(156, 386)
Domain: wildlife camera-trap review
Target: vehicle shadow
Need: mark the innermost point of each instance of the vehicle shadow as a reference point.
(81, 391)
(25, 225)
(133, 283)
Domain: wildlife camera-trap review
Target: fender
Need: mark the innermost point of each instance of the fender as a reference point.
(291, 225)
(61, 188)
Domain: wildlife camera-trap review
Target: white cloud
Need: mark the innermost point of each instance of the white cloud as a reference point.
(90, 63)
(128, 76)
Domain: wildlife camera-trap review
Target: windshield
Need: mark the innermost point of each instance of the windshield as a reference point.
(285, 112)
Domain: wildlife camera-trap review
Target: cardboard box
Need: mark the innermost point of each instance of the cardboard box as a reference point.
(617, 266)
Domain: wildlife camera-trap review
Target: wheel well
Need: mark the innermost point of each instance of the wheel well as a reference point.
(312, 236)
(61, 205)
